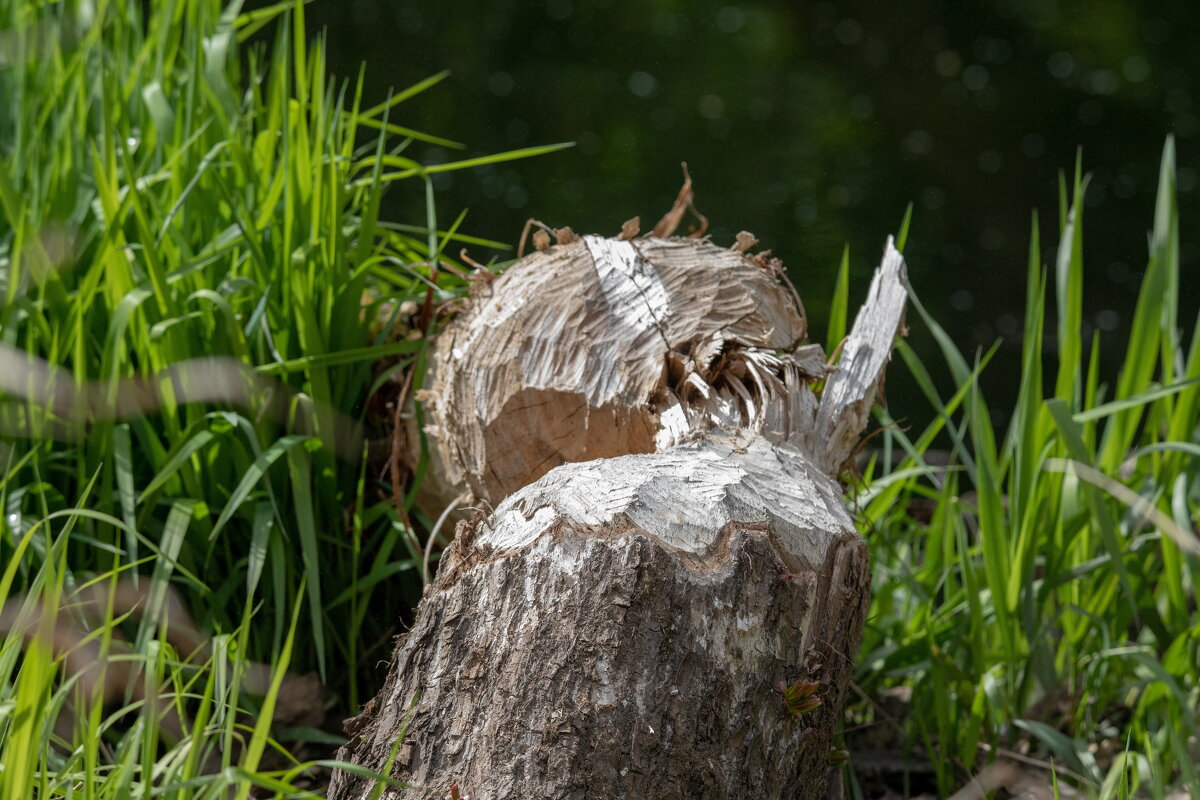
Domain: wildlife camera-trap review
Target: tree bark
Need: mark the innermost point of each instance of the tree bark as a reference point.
(670, 624)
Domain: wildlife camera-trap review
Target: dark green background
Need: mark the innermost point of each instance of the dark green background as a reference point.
(813, 125)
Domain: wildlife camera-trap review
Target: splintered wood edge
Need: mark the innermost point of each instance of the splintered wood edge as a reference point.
(686, 498)
(852, 389)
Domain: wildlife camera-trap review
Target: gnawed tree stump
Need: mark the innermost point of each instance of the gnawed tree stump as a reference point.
(617, 630)
(622, 627)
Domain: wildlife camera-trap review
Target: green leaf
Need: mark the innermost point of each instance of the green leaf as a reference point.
(186, 450)
(405, 94)
(902, 235)
(450, 166)
(1101, 516)
(123, 462)
(309, 548)
(372, 353)
(170, 544)
(839, 306)
(262, 726)
(160, 109)
(1072, 751)
(1140, 400)
(259, 539)
(253, 475)
(1069, 294)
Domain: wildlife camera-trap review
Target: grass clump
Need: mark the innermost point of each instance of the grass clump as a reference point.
(1035, 587)
(196, 289)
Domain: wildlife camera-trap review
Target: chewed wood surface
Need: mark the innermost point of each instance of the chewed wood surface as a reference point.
(668, 546)
(577, 353)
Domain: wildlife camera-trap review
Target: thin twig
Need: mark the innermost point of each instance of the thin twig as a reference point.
(437, 526)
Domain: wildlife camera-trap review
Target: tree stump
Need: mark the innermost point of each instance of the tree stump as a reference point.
(678, 620)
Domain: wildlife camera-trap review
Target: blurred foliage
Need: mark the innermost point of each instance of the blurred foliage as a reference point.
(814, 124)
(203, 317)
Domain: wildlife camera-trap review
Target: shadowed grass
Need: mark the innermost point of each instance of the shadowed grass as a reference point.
(195, 288)
(1050, 595)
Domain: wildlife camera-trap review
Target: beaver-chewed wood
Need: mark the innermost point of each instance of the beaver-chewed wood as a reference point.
(621, 627)
(601, 347)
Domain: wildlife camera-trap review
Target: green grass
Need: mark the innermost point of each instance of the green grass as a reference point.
(197, 294)
(200, 321)
(1050, 597)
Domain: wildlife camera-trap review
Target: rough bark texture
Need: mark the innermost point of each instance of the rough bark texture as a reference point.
(617, 630)
(617, 627)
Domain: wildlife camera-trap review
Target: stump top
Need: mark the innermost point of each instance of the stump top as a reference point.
(688, 499)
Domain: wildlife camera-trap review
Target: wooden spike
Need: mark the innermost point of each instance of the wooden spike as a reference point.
(745, 240)
(630, 228)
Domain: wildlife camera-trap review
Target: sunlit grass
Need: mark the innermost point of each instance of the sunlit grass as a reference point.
(1050, 598)
(196, 290)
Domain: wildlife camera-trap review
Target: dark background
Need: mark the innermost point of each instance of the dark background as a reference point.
(813, 125)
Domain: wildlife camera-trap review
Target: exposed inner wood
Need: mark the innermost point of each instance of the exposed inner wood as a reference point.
(684, 498)
(630, 327)
(854, 387)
